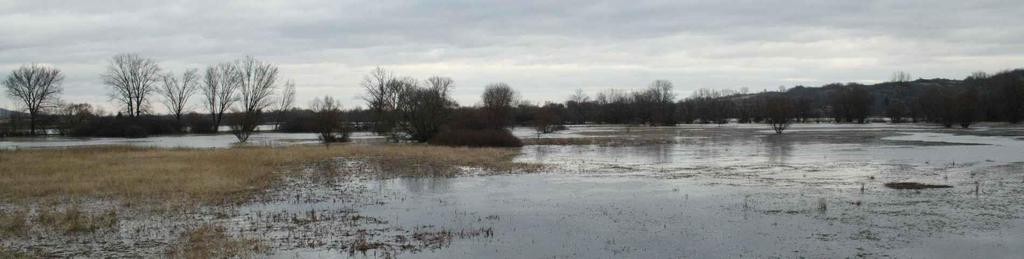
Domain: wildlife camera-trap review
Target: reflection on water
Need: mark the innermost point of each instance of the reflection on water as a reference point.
(779, 149)
(414, 185)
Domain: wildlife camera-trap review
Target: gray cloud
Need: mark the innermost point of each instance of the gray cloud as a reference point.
(545, 49)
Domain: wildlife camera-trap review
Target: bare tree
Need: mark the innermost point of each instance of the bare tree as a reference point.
(498, 99)
(257, 83)
(896, 108)
(577, 106)
(286, 101)
(176, 91)
(425, 109)
(220, 84)
(329, 121)
(546, 119)
(901, 77)
(132, 79)
(71, 116)
(662, 103)
(36, 87)
(780, 112)
(380, 99)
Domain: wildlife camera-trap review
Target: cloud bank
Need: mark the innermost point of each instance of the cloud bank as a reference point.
(544, 49)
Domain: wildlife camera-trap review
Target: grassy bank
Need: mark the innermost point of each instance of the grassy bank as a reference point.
(208, 176)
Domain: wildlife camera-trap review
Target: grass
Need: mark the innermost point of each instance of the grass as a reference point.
(207, 176)
(73, 220)
(210, 241)
(11, 254)
(13, 223)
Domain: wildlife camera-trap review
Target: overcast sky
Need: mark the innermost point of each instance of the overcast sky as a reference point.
(544, 49)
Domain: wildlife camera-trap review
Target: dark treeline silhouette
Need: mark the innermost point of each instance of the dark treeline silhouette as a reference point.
(406, 109)
(979, 97)
(242, 95)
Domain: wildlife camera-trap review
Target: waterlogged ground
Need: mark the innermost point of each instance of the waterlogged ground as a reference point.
(726, 192)
(701, 191)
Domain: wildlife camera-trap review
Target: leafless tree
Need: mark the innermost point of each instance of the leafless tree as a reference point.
(662, 103)
(546, 119)
(132, 79)
(220, 84)
(71, 116)
(36, 87)
(286, 101)
(425, 109)
(901, 77)
(896, 107)
(498, 99)
(329, 121)
(257, 83)
(978, 75)
(577, 106)
(380, 99)
(780, 112)
(177, 90)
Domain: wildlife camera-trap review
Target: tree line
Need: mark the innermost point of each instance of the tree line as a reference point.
(245, 93)
(979, 97)
(246, 87)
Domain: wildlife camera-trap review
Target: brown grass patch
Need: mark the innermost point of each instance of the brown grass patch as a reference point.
(210, 241)
(230, 175)
(13, 223)
(73, 220)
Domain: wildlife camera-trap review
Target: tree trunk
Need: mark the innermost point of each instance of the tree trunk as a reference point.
(32, 124)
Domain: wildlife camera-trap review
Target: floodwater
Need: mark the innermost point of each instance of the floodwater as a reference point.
(723, 192)
(711, 192)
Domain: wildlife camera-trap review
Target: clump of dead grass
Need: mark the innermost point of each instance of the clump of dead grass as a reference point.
(211, 241)
(72, 220)
(13, 223)
(12, 254)
(189, 176)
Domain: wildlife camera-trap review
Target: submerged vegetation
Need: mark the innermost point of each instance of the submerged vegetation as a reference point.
(209, 241)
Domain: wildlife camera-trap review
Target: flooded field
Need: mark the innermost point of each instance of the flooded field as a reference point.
(703, 191)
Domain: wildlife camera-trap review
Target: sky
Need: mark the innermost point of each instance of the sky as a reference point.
(543, 49)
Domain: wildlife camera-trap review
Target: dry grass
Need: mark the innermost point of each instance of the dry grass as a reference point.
(73, 220)
(210, 241)
(13, 223)
(11, 254)
(143, 175)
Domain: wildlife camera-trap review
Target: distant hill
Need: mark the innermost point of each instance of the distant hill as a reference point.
(4, 113)
(995, 92)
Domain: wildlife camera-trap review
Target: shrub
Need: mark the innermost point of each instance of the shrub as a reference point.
(134, 131)
(298, 121)
(200, 124)
(121, 127)
(476, 138)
